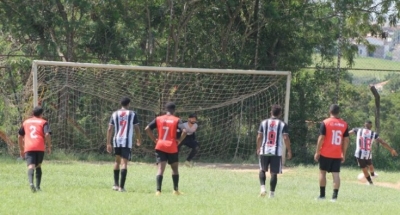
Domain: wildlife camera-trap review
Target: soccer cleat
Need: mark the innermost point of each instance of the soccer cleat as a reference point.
(121, 189)
(375, 176)
(33, 189)
(271, 195)
(115, 187)
(333, 199)
(188, 163)
(177, 193)
(158, 193)
(320, 198)
(263, 193)
(38, 189)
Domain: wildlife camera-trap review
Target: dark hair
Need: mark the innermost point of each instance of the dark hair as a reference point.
(334, 109)
(368, 121)
(170, 107)
(37, 111)
(192, 115)
(125, 101)
(276, 110)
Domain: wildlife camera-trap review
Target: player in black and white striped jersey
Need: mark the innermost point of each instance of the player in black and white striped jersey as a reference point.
(190, 140)
(271, 135)
(363, 153)
(126, 127)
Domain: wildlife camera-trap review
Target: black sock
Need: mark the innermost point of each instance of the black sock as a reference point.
(262, 177)
(192, 153)
(372, 174)
(30, 175)
(335, 193)
(321, 191)
(273, 181)
(124, 172)
(38, 176)
(369, 179)
(175, 179)
(116, 177)
(159, 179)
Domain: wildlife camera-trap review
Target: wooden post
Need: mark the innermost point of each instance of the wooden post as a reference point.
(377, 108)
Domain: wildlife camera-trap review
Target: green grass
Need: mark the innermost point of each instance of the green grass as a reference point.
(71, 187)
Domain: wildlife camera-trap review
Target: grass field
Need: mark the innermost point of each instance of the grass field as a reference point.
(71, 187)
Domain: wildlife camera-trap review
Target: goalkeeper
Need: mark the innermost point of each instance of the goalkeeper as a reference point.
(190, 140)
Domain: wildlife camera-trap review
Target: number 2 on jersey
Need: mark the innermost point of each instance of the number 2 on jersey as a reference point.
(166, 129)
(33, 132)
(336, 137)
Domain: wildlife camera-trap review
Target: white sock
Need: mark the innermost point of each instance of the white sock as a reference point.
(262, 188)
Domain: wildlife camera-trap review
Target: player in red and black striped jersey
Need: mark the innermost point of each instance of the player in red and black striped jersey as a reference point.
(363, 153)
(271, 135)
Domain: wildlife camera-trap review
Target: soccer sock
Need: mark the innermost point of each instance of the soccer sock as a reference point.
(175, 179)
(273, 181)
(159, 179)
(372, 173)
(369, 179)
(335, 193)
(192, 153)
(38, 176)
(30, 175)
(262, 177)
(116, 177)
(124, 172)
(321, 191)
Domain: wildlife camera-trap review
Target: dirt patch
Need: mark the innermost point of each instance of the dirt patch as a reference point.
(234, 167)
(388, 185)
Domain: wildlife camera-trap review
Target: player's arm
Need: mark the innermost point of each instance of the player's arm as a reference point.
(47, 137)
(345, 143)
(21, 134)
(286, 139)
(353, 131)
(384, 144)
(137, 130)
(109, 135)
(183, 135)
(321, 138)
(149, 130)
(259, 138)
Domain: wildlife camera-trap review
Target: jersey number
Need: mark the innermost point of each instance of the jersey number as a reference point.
(336, 137)
(33, 132)
(271, 138)
(123, 125)
(365, 144)
(166, 129)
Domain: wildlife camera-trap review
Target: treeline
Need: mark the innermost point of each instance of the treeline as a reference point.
(240, 34)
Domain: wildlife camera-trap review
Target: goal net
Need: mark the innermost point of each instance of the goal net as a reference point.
(79, 99)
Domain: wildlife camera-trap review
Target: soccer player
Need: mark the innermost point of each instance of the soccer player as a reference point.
(33, 140)
(331, 150)
(190, 140)
(167, 145)
(124, 121)
(271, 135)
(363, 154)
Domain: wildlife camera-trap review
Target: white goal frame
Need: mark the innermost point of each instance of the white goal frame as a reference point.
(37, 63)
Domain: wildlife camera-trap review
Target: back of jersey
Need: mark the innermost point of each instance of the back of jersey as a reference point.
(123, 122)
(167, 126)
(335, 130)
(365, 139)
(34, 134)
(272, 130)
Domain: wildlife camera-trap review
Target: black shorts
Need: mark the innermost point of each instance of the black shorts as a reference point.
(274, 162)
(123, 152)
(189, 143)
(163, 156)
(362, 163)
(329, 164)
(34, 157)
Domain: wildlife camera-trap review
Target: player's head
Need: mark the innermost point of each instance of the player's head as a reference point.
(368, 124)
(170, 107)
(125, 101)
(334, 110)
(37, 111)
(192, 118)
(276, 110)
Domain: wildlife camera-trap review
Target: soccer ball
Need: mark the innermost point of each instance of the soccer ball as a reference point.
(361, 177)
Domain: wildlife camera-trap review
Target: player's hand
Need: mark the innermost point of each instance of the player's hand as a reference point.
(48, 149)
(289, 155)
(109, 148)
(155, 141)
(393, 152)
(316, 157)
(22, 154)
(138, 142)
(343, 159)
(258, 152)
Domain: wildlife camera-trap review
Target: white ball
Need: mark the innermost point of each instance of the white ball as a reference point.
(361, 177)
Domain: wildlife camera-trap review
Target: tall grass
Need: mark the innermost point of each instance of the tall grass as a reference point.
(72, 187)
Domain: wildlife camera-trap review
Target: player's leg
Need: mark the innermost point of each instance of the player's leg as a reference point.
(276, 168)
(125, 157)
(371, 169)
(194, 146)
(173, 160)
(335, 169)
(31, 163)
(263, 163)
(323, 167)
(161, 159)
(38, 175)
(117, 163)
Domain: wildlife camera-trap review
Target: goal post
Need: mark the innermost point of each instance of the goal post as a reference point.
(80, 97)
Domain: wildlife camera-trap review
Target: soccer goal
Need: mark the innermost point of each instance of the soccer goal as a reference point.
(79, 98)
